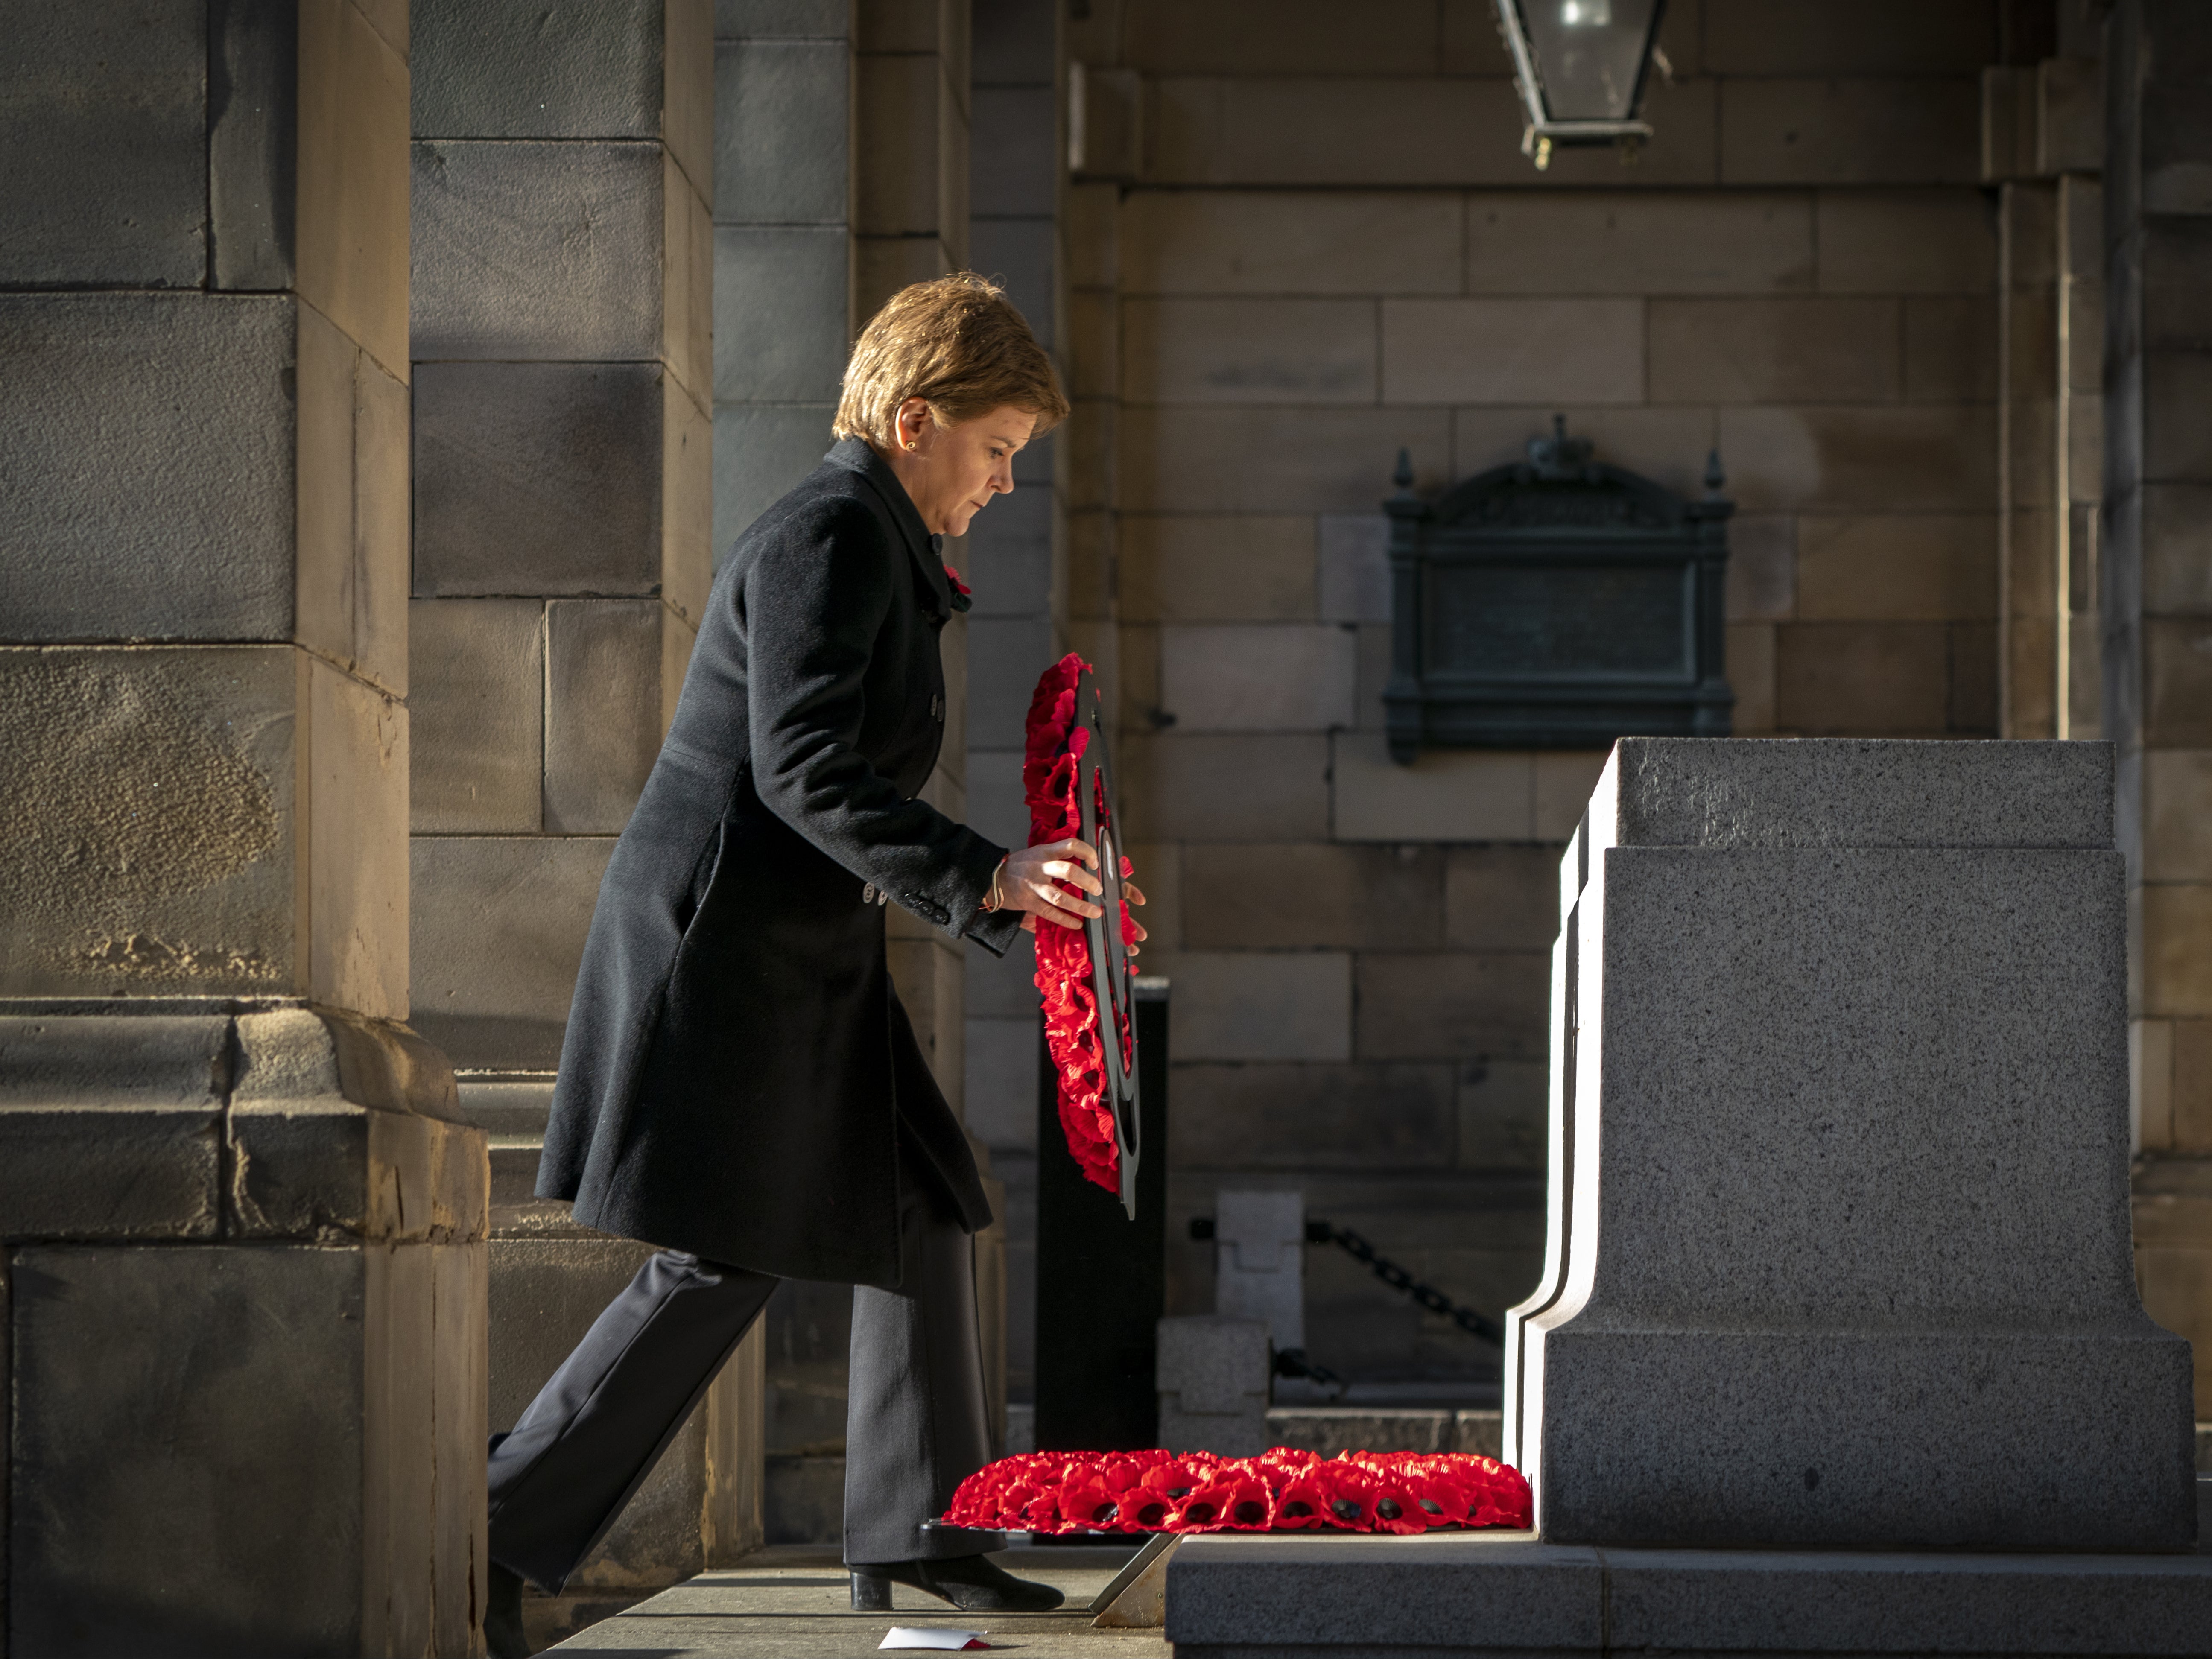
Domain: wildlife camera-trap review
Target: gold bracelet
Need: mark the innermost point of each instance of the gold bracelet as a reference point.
(991, 899)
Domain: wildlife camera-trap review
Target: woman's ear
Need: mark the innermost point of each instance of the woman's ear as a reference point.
(912, 420)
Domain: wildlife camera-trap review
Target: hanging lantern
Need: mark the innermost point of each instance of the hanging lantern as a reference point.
(1580, 66)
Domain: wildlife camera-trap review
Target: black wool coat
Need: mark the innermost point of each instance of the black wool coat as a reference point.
(738, 1077)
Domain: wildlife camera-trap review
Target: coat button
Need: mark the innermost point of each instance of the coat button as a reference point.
(868, 893)
(937, 706)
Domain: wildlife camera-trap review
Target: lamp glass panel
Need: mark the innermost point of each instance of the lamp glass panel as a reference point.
(1589, 54)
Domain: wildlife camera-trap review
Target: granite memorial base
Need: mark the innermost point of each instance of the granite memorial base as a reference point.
(1838, 1348)
(1840, 1251)
(1497, 1595)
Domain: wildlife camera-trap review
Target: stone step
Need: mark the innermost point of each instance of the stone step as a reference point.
(803, 1498)
(1497, 1594)
(1328, 1430)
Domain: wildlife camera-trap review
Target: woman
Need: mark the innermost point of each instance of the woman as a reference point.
(739, 1085)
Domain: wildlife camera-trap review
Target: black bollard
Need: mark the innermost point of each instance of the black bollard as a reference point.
(1101, 1277)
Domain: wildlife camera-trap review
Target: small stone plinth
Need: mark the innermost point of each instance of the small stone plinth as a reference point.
(1213, 1375)
(1839, 1249)
(1451, 1594)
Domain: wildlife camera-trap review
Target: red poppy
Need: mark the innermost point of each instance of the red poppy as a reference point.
(1179, 1476)
(1207, 1509)
(1397, 1508)
(1042, 1513)
(1507, 1503)
(1120, 1472)
(1250, 1505)
(1011, 1503)
(976, 1502)
(1300, 1506)
(1352, 1494)
(1146, 1511)
(1084, 1501)
(1444, 1501)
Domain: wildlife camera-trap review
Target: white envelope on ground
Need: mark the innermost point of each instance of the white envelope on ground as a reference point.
(942, 1637)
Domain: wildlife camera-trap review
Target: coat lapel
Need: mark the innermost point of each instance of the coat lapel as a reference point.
(858, 455)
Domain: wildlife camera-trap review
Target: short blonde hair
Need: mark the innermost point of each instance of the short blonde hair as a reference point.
(958, 343)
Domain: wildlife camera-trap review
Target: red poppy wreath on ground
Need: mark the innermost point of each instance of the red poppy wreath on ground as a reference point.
(1280, 1491)
(1050, 769)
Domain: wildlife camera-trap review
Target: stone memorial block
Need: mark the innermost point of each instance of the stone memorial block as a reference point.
(1213, 1385)
(1259, 1261)
(1839, 1249)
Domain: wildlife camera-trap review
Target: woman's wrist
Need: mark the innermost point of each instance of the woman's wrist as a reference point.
(994, 900)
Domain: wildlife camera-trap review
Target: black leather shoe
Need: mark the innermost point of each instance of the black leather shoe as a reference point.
(504, 1637)
(972, 1583)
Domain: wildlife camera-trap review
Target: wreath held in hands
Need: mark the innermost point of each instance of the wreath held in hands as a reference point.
(1050, 770)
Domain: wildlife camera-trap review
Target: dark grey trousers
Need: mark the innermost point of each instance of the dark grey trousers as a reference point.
(916, 1423)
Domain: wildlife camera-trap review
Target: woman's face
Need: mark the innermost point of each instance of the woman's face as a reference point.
(951, 473)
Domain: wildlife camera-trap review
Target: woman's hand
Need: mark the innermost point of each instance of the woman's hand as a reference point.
(1032, 880)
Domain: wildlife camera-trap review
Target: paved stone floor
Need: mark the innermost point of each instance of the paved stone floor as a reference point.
(792, 1600)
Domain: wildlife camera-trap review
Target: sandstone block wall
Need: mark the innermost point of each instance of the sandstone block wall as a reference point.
(1297, 247)
(783, 121)
(242, 1237)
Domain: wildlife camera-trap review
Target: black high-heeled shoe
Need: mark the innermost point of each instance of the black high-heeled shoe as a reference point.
(972, 1583)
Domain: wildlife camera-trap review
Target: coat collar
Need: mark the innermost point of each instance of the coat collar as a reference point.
(859, 455)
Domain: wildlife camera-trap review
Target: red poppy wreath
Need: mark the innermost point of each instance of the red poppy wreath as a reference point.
(1050, 767)
(1279, 1490)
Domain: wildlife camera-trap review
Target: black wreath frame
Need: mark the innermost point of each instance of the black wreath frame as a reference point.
(1113, 975)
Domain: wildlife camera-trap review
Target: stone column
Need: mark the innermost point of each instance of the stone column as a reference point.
(2078, 695)
(1104, 142)
(2042, 145)
(783, 251)
(240, 1238)
(561, 340)
(1015, 550)
(911, 112)
(2156, 578)
(1840, 1232)
(910, 126)
(2028, 335)
(783, 121)
(910, 191)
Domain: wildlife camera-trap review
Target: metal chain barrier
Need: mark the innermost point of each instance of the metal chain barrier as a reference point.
(1293, 1362)
(1428, 1295)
